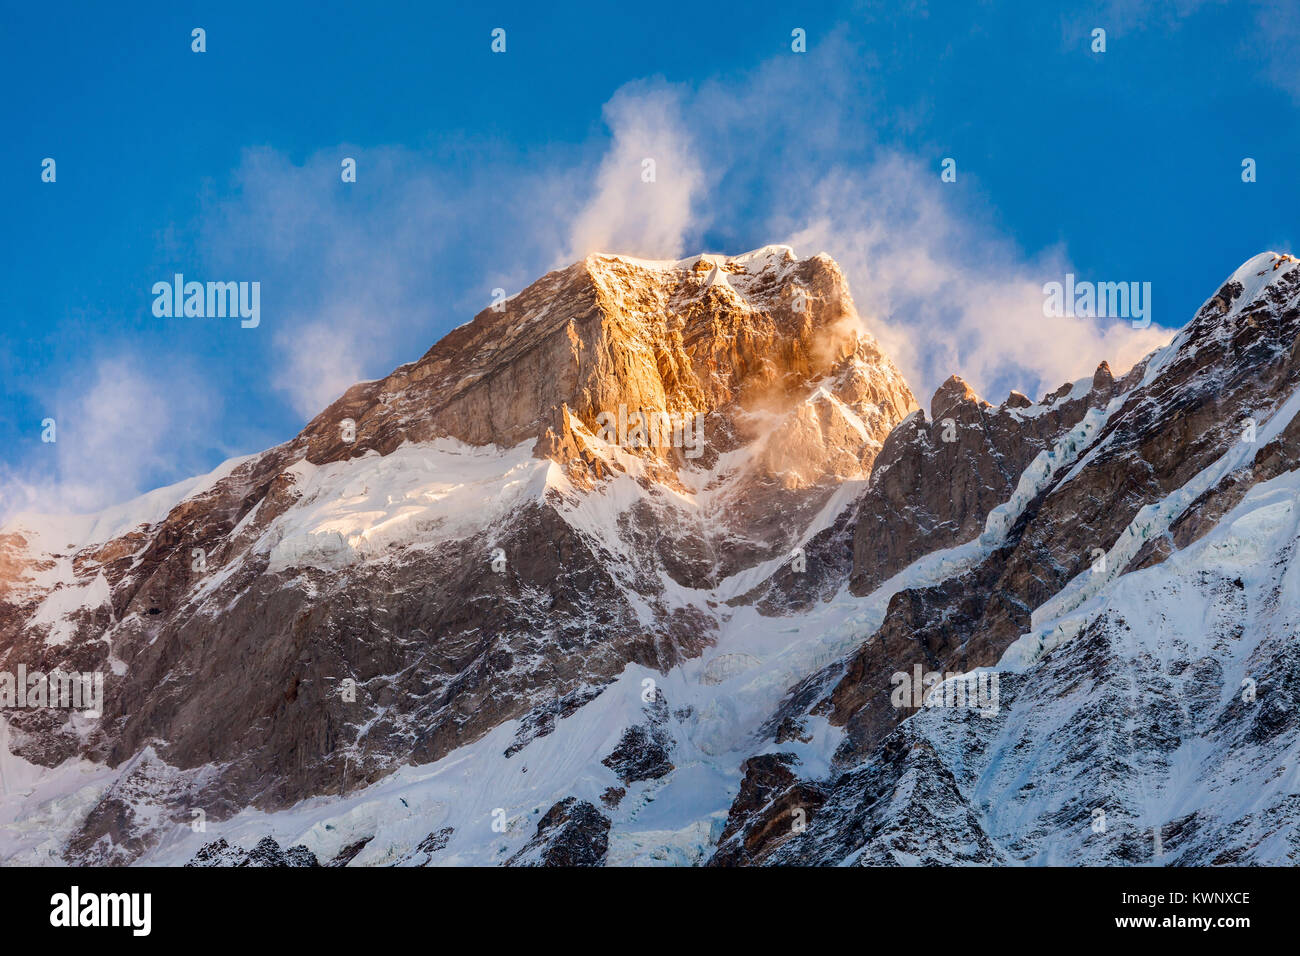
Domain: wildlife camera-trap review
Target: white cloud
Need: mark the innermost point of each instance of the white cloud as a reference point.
(626, 213)
(945, 295)
(116, 431)
(320, 360)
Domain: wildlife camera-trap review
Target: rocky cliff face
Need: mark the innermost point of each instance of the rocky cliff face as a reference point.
(625, 570)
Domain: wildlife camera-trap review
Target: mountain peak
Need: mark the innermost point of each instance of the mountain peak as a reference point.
(948, 394)
(754, 260)
(712, 335)
(1248, 283)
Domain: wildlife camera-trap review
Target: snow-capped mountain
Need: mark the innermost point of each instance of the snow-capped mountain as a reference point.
(624, 571)
(1134, 598)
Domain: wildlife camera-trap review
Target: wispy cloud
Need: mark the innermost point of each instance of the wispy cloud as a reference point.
(945, 294)
(1270, 46)
(1277, 36)
(647, 183)
(117, 429)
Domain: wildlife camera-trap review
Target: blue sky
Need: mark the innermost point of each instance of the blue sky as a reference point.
(479, 170)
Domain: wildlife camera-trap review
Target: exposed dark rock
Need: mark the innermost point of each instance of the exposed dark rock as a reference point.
(349, 852)
(267, 852)
(643, 751)
(572, 833)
